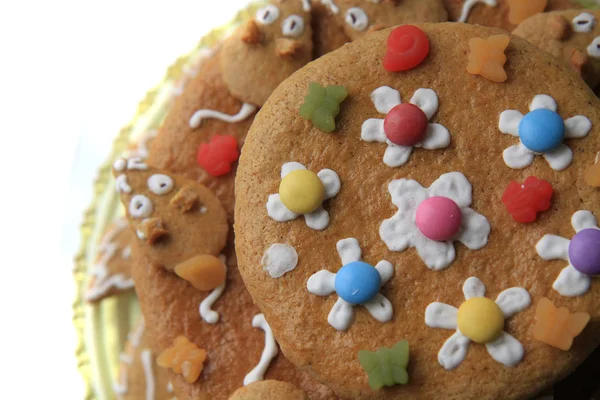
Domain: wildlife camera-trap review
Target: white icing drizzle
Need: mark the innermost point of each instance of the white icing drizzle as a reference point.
(279, 259)
(121, 184)
(269, 352)
(331, 5)
(146, 357)
(468, 6)
(126, 254)
(505, 349)
(103, 282)
(170, 387)
(306, 5)
(136, 163)
(200, 115)
(209, 315)
(121, 386)
(322, 283)
(317, 219)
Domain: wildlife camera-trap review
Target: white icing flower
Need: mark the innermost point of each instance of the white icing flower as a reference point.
(481, 319)
(402, 231)
(432, 136)
(279, 259)
(541, 132)
(579, 251)
(317, 218)
(357, 282)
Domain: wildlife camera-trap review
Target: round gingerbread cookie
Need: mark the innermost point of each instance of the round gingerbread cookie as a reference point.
(573, 36)
(389, 253)
(111, 273)
(505, 14)
(139, 376)
(267, 49)
(358, 17)
(201, 136)
(269, 390)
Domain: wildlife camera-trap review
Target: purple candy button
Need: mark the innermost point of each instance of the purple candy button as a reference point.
(584, 251)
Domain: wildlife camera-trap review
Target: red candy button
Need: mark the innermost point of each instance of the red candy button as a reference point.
(407, 47)
(405, 125)
(525, 201)
(217, 156)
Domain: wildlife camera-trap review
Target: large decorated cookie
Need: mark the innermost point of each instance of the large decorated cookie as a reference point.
(504, 14)
(111, 273)
(269, 390)
(573, 36)
(441, 240)
(139, 376)
(359, 17)
(199, 316)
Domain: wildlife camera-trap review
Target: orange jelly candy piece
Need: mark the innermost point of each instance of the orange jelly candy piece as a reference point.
(520, 10)
(204, 272)
(592, 175)
(184, 357)
(557, 326)
(487, 57)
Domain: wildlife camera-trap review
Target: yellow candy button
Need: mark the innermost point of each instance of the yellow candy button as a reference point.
(480, 319)
(301, 191)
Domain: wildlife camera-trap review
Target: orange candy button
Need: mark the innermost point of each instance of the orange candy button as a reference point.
(185, 358)
(203, 272)
(557, 326)
(521, 10)
(487, 57)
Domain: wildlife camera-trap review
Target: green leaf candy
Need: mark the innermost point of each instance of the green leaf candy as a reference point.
(322, 105)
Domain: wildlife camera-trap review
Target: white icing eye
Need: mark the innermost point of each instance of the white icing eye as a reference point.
(594, 48)
(293, 26)
(357, 19)
(160, 184)
(267, 15)
(140, 206)
(584, 22)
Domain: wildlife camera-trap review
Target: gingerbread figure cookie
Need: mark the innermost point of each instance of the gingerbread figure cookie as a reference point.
(269, 390)
(505, 14)
(328, 33)
(267, 49)
(359, 17)
(573, 36)
(111, 274)
(204, 113)
(421, 285)
(139, 376)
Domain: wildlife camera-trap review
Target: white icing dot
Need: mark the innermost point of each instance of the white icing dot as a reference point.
(140, 206)
(357, 19)
(584, 22)
(120, 165)
(160, 184)
(293, 26)
(279, 259)
(267, 15)
(122, 185)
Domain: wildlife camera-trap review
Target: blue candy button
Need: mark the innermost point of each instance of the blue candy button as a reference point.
(357, 282)
(542, 130)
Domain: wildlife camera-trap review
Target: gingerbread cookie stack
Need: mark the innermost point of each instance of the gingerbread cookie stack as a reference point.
(442, 198)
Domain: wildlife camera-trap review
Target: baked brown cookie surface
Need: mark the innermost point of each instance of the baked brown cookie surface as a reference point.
(269, 390)
(307, 254)
(268, 49)
(139, 376)
(505, 14)
(111, 273)
(572, 35)
(358, 17)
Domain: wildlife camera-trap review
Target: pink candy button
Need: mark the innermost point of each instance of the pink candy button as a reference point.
(438, 218)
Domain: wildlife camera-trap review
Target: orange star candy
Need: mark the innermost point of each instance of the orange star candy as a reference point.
(185, 358)
(557, 326)
(520, 10)
(487, 57)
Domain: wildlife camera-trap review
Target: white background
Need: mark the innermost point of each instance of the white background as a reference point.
(71, 74)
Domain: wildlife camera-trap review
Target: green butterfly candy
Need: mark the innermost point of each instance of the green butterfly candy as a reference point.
(322, 105)
(386, 367)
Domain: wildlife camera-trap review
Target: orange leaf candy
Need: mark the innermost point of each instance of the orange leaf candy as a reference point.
(487, 57)
(185, 358)
(520, 10)
(204, 272)
(557, 326)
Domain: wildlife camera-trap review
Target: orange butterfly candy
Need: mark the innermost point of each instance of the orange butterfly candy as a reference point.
(557, 326)
(487, 57)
